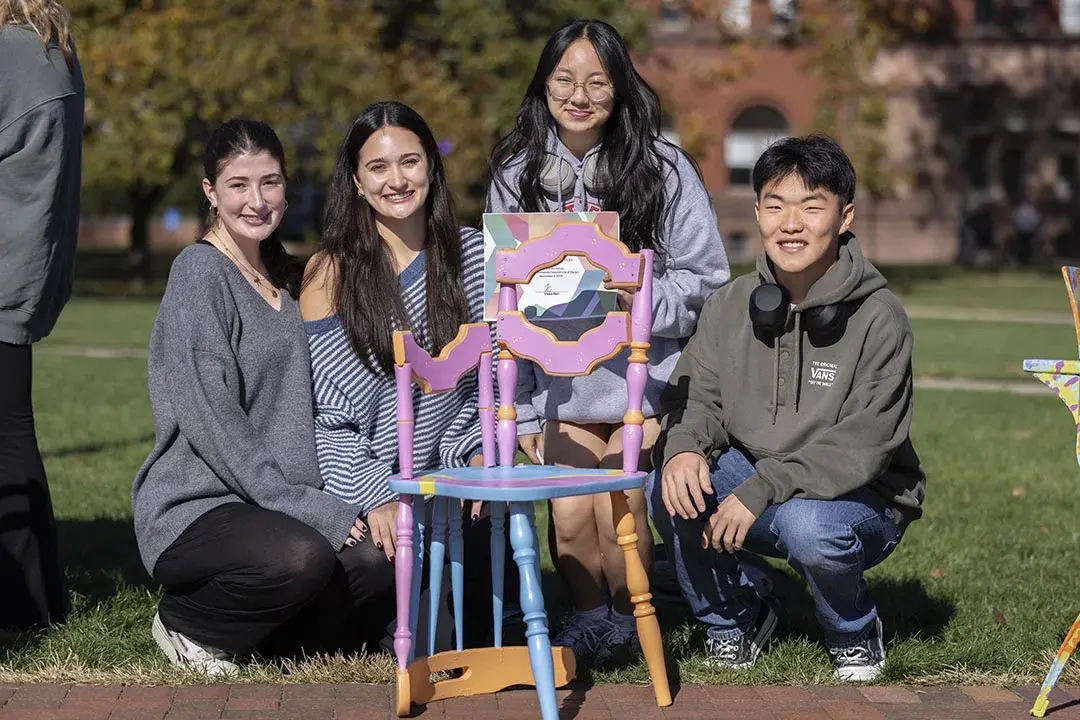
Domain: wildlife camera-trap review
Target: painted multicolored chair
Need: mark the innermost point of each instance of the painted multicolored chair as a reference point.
(1063, 377)
(490, 669)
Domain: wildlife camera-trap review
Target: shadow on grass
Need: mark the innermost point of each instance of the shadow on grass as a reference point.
(907, 610)
(91, 448)
(100, 556)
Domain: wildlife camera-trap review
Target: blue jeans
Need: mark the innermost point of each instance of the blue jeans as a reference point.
(830, 543)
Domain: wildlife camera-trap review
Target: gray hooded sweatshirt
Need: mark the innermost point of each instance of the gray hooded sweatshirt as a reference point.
(690, 267)
(822, 417)
(41, 123)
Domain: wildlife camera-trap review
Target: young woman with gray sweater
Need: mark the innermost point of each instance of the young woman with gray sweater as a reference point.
(588, 139)
(230, 516)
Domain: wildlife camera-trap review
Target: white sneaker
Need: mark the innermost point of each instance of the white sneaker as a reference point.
(182, 650)
(862, 661)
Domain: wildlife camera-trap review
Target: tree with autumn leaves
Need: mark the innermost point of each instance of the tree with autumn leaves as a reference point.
(160, 74)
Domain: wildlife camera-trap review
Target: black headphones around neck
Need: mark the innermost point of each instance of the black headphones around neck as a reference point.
(770, 305)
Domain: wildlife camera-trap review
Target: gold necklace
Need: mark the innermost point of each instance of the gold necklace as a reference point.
(256, 277)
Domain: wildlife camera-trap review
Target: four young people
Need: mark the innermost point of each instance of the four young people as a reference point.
(777, 406)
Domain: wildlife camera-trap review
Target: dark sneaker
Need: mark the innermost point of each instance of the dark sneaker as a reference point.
(582, 636)
(861, 661)
(741, 652)
(619, 646)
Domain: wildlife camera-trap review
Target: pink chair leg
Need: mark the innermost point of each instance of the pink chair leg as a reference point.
(403, 568)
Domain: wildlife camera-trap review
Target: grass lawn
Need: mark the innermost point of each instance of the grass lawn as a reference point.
(980, 590)
(986, 350)
(1033, 290)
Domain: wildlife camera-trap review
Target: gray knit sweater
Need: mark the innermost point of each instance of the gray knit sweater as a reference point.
(230, 389)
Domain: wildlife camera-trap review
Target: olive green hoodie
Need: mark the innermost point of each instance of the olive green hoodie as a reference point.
(823, 416)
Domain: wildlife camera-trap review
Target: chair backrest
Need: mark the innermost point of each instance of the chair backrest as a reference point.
(1072, 284)
(519, 338)
(470, 350)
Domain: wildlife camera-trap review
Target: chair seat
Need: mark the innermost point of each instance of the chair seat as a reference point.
(1057, 367)
(510, 484)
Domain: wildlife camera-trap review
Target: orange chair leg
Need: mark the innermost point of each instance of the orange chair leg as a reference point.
(637, 583)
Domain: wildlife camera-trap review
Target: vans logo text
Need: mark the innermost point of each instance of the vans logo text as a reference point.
(822, 374)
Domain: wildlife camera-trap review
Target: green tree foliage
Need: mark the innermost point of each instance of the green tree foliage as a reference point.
(161, 74)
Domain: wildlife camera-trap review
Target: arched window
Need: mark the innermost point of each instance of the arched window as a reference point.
(753, 130)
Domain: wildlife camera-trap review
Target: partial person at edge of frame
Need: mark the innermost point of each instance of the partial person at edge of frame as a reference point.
(42, 101)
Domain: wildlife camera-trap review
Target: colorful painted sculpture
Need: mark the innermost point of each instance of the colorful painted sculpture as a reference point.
(501, 484)
(1063, 377)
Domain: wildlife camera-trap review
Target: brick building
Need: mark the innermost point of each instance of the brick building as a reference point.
(982, 135)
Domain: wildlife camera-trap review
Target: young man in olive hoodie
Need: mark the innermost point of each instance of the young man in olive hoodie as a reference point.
(785, 423)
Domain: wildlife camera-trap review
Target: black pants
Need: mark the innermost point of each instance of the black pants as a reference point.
(32, 589)
(243, 579)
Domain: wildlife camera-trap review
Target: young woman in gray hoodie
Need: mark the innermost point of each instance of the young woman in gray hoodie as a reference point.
(587, 138)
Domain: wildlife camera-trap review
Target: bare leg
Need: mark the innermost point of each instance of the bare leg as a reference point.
(613, 564)
(572, 529)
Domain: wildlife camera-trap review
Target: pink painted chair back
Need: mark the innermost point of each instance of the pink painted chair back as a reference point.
(519, 338)
(469, 351)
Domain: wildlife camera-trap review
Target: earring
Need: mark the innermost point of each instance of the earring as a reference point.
(286, 206)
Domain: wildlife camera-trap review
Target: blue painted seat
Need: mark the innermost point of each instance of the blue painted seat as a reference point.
(513, 484)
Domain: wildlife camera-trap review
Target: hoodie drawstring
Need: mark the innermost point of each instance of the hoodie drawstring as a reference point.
(798, 358)
(558, 174)
(776, 378)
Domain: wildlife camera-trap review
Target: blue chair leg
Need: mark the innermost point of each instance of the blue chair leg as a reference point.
(435, 569)
(498, 567)
(418, 569)
(523, 540)
(457, 573)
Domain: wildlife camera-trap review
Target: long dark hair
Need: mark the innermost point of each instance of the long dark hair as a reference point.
(366, 293)
(230, 140)
(631, 167)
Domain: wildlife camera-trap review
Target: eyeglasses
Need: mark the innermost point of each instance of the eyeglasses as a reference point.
(563, 88)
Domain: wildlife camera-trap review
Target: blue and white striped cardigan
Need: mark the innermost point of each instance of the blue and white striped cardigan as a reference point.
(356, 408)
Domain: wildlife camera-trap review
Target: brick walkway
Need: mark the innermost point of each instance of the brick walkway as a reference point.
(614, 702)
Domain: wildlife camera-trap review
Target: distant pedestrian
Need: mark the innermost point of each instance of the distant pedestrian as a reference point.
(41, 123)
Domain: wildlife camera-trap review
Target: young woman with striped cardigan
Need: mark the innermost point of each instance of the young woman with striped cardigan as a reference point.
(393, 257)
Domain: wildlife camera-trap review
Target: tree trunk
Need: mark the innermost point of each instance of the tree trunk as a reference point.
(144, 200)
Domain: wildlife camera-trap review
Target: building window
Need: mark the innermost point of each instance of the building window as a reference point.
(753, 131)
(985, 12)
(674, 16)
(1069, 17)
(737, 15)
(1021, 15)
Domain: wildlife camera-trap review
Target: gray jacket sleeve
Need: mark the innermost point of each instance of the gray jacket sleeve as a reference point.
(693, 264)
(201, 386)
(38, 228)
(692, 409)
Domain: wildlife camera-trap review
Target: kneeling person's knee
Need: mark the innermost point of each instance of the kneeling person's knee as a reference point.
(812, 540)
(300, 568)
